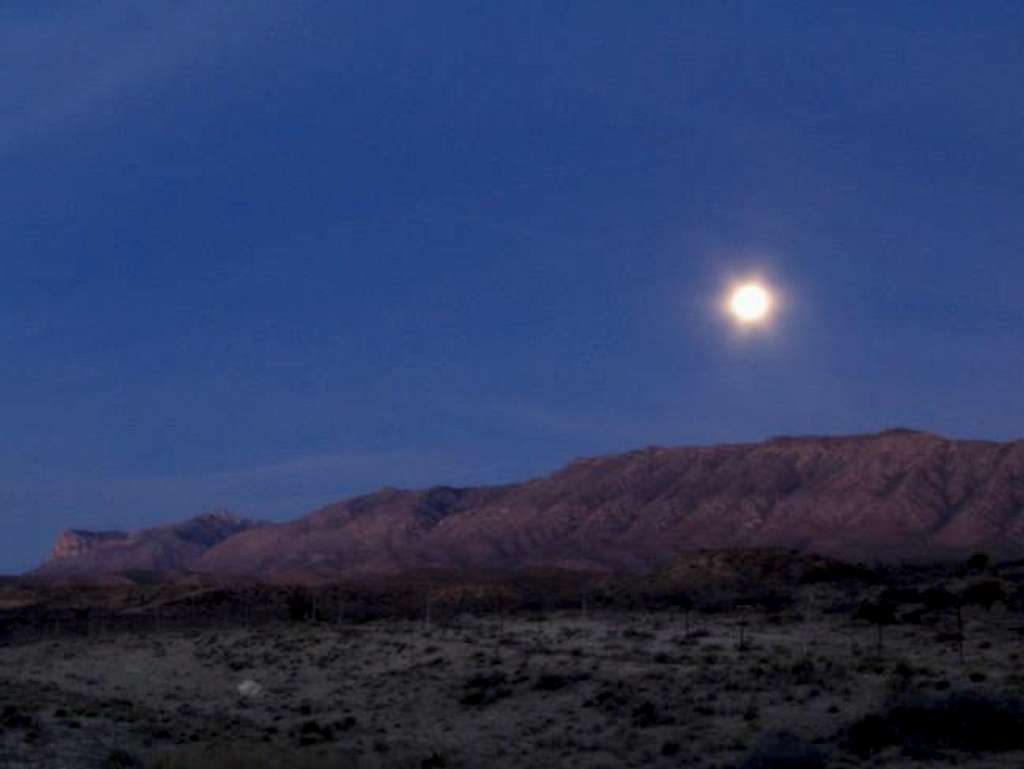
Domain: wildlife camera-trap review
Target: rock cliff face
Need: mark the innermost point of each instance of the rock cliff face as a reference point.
(898, 494)
(166, 548)
(74, 542)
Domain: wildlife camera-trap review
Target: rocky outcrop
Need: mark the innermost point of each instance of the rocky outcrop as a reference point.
(75, 542)
(166, 548)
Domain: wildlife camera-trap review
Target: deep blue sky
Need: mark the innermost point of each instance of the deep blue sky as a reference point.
(266, 255)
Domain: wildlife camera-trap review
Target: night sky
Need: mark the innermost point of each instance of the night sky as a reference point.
(265, 255)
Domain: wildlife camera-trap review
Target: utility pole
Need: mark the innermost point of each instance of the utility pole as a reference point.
(960, 628)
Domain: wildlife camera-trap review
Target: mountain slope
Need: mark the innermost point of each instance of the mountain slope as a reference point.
(898, 494)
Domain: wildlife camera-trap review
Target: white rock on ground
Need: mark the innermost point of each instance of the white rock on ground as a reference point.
(249, 688)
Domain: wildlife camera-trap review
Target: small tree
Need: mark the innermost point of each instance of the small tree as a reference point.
(938, 599)
(682, 602)
(427, 603)
(942, 599)
(300, 605)
(879, 614)
(978, 562)
(984, 593)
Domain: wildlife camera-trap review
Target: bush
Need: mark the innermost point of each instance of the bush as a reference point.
(984, 593)
(876, 613)
(782, 750)
(894, 596)
(1015, 601)
(837, 572)
(246, 757)
(938, 599)
(958, 721)
(483, 689)
(300, 606)
(646, 715)
(978, 562)
(121, 759)
(550, 682)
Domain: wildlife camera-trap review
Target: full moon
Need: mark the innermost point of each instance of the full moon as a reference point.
(750, 303)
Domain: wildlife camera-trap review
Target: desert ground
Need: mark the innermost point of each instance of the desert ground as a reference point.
(803, 685)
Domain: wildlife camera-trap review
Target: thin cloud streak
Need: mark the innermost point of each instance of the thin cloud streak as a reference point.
(62, 67)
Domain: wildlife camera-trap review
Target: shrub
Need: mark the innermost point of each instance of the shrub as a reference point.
(958, 721)
(484, 689)
(838, 572)
(121, 759)
(938, 599)
(901, 681)
(876, 613)
(300, 605)
(879, 614)
(895, 596)
(1015, 601)
(550, 682)
(670, 749)
(246, 757)
(978, 562)
(646, 715)
(984, 593)
(782, 750)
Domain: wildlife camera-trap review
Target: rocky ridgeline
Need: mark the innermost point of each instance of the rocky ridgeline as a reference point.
(891, 496)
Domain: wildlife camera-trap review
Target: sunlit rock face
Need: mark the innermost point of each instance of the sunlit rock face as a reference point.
(74, 542)
(166, 548)
(895, 495)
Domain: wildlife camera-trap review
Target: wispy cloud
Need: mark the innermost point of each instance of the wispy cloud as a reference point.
(62, 65)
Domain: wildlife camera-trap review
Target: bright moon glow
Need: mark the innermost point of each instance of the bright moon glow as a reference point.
(750, 303)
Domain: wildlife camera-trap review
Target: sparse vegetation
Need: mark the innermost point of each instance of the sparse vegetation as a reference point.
(655, 671)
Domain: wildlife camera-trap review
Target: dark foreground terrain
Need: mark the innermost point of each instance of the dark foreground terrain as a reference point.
(761, 659)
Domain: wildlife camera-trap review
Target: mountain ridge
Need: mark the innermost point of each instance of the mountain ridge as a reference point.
(897, 494)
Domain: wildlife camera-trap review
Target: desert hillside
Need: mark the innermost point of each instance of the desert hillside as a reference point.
(894, 495)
